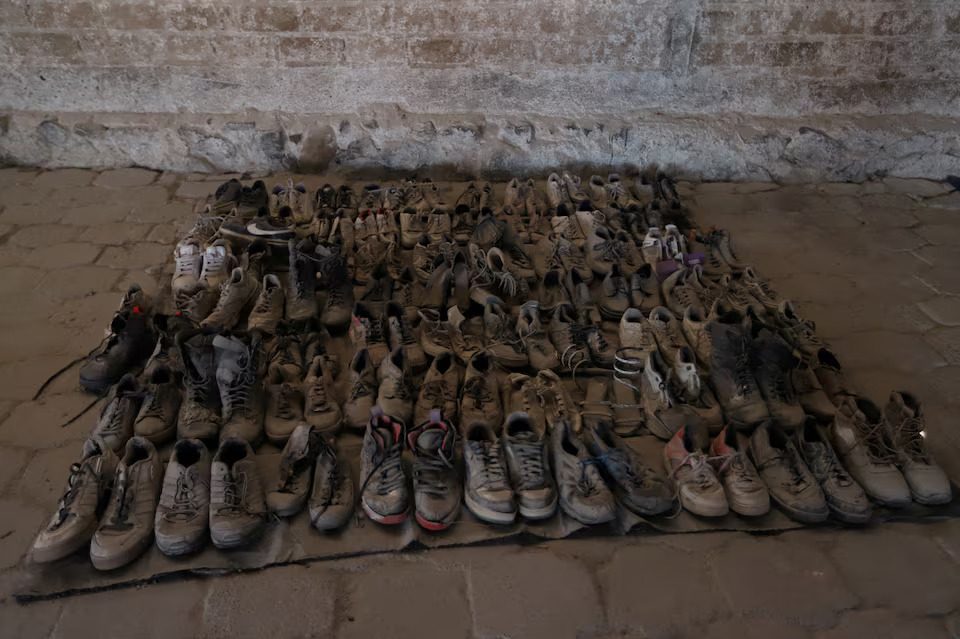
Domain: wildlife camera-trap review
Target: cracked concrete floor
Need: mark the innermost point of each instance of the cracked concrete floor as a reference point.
(875, 265)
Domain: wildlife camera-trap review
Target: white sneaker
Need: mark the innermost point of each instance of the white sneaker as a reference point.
(218, 263)
(189, 260)
(652, 249)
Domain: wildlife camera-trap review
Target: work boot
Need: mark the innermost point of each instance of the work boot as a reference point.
(439, 390)
(906, 428)
(183, 512)
(700, 491)
(115, 425)
(524, 446)
(540, 351)
(436, 482)
(237, 294)
(434, 332)
(487, 491)
(241, 389)
(126, 527)
(320, 411)
(157, 419)
(480, 399)
(332, 497)
(746, 493)
(503, 341)
(645, 289)
(130, 343)
(297, 461)
(395, 398)
(200, 411)
(383, 493)
(361, 390)
(401, 336)
(772, 364)
(237, 508)
(845, 497)
(583, 494)
(75, 520)
(726, 353)
(367, 333)
(284, 405)
(790, 482)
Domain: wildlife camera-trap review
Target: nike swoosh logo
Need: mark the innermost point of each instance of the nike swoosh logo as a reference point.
(253, 229)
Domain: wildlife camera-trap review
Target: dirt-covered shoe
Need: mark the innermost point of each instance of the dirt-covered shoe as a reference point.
(157, 419)
(438, 392)
(361, 390)
(237, 507)
(464, 342)
(367, 333)
(320, 411)
(555, 399)
(115, 425)
(829, 373)
(180, 524)
(402, 336)
(726, 353)
(200, 412)
(552, 293)
(556, 191)
(746, 493)
(295, 197)
(301, 302)
(196, 303)
(395, 397)
(436, 482)
(694, 327)
(487, 490)
(668, 333)
(502, 339)
(687, 388)
(906, 427)
(268, 309)
(583, 494)
(645, 289)
(383, 486)
(520, 394)
(408, 293)
(800, 333)
(165, 354)
(524, 446)
(480, 397)
(602, 252)
(297, 461)
(84, 497)
(540, 351)
(614, 297)
(810, 393)
(701, 492)
(218, 263)
(845, 497)
(571, 351)
(332, 495)
(188, 259)
(663, 415)
(760, 290)
(790, 482)
(284, 405)
(126, 527)
(130, 343)
(636, 332)
(238, 293)
(679, 293)
(772, 363)
(635, 484)
(241, 388)
(434, 332)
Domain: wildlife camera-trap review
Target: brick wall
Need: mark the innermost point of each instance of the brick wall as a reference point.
(741, 88)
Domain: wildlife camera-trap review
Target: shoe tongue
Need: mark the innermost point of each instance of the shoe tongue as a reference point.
(430, 440)
(189, 249)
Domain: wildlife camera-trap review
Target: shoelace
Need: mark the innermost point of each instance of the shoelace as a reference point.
(283, 349)
(359, 389)
(530, 457)
(74, 482)
(436, 392)
(909, 439)
(152, 406)
(373, 332)
(701, 472)
(185, 502)
(797, 481)
(390, 470)
(213, 263)
(476, 389)
(120, 519)
(265, 302)
(627, 366)
(403, 328)
(627, 467)
(492, 473)
(334, 297)
(742, 373)
(113, 424)
(187, 264)
(588, 483)
(332, 494)
(736, 464)
(318, 392)
(429, 470)
(823, 463)
(610, 251)
(878, 448)
(238, 394)
(234, 497)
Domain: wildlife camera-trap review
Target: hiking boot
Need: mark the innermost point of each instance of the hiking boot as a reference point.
(563, 334)
(540, 351)
(157, 419)
(200, 413)
(126, 527)
(583, 495)
(301, 303)
(395, 397)
(361, 390)
(268, 309)
(746, 493)
(383, 486)
(636, 332)
(730, 376)
(503, 341)
(332, 495)
(297, 460)
(367, 333)
(800, 333)
(480, 399)
(906, 428)
(636, 485)
(285, 355)
(319, 410)
(115, 426)
(237, 294)
(463, 342)
(645, 289)
(488, 494)
(614, 296)
(85, 495)
(401, 336)
(241, 389)
(237, 507)
(438, 392)
(773, 363)
(524, 449)
(700, 491)
(130, 343)
(188, 259)
(436, 482)
(827, 368)
(845, 497)
(180, 523)
(790, 482)
(284, 406)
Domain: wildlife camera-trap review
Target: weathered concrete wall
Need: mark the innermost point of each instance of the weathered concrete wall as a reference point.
(740, 89)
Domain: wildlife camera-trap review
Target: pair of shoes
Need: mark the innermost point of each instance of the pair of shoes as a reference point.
(149, 410)
(196, 267)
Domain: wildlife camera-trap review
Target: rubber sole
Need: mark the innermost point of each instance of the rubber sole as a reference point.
(487, 515)
(539, 513)
(386, 520)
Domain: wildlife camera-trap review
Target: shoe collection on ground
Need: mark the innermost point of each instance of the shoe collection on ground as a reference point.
(456, 336)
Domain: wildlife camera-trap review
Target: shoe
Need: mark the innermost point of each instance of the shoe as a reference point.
(552, 292)
(395, 398)
(157, 419)
(614, 295)
(383, 485)
(580, 295)
(845, 498)
(746, 493)
(800, 333)
(636, 332)
(337, 310)
(572, 259)
(556, 191)
(361, 390)
(319, 410)
(827, 369)
(188, 259)
(325, 198)
(486, 482)
(563, 328)
(408, 293)
(700, 491)
(652, 247)
(367, 333)
(301, 303)
(556, 402)
(601, 252)
(790, 482)
(463, 342)
(760, 290)
(226, 197)
(180, 523)
(673, 242)
(438, 392)
(489, 230)
(284, 406)
(583, 494)
(532, 481)
(237, 294)
(75, 520)
(726, 358)
(906, 428)
(268, 309)
(662, 415)
(237, 506)
(637, 486)
(297, 461)
(679, 292)
(253, 199)
(401, 336)
(521, 395)
(434, 332)
(126, 527)
(502, 339)
(810, 393)
(687, 388)
(115, 426)
(480, 399)
(412, 227)
(511, 194)
(332, 495)
(597, 190)
(218, 263)
(197, 303)
(436, 482)
(540, 352)
(241, 389)
(645, 289)
(130, 343)
(371, 253)
(772, 365)
(602, 352)
(668, 334)
(436, 291)
(200, 411)
(293, 196)
(631, 260)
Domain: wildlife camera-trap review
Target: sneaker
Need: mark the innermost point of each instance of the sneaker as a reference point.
(556, 402)
(580, 295)
(165, 354)
(662, 415)
(218, 263)
(268, 309)
(556, 191)
(197, 303)
(361, 390)
(331, 496)
(700, 491)
(829, 373)
(524, 447)
(614, 296)
(297, 460)
(438, 392)
(636, 485)
(464, 342)
(563, 333)
(667, 333)
(480, 399)
(800, 333)
(436, 482)
(180, 523)
(487, 490)
(583, 494)
(157, 419)
(200, 411)
(130, 343)
(367, 333)
(284, 405)
(790, 482)
(489, 230)
(727, 360)
(602, 252)
(679, 292)
(189, 260)
(434, 332)
(645, 289)
(237, 506)
(652, 248)
(503, 342)
(572, 259)
(521, 395)
(401, 336)
(636, 332)
(408, 293)
(383, 485)
(906, 428)
(293, 196)
(325, 198)
(773, 365)
(628, 416)
(760, 290)
(602, 352)
(337, 309)
(810, 393)
(552, 292)
(115, 426)
(694, 327)
(126, 527)
(673, 242)
(253, 199)
(241, 389)
(597, 190)
(75, 520)
(413, 226)
(845, 497)
(395, 398)
(512, 196)
(533, 337)
(687, 388)
(320, 411)
(237, 294)
(746, 493)
(301, 304)
(226, 197)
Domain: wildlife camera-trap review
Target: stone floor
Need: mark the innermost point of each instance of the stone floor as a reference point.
(876, 265)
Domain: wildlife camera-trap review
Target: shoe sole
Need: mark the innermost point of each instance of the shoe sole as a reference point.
(849, 518)
(704, 512)
(539, 513)
(426, 524)
(746, 510)
(803, 517)
(386, 520)
(487, 515)
(937, 500)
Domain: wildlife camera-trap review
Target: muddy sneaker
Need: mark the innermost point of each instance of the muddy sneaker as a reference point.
(166, 354)
(557, 404)
(241, 389)
(540, 351)
(845, 497)
(200, 414)
(679, 294)
(524, 448)
(746, 493)
(268, 309)
(188, 259)
(760, 290)
(726, 354)
(196, 303)
(383, 486)
(519, 393)
(602, 252)
(772, 365)
(635, 484)
(662, 414)
(408, 293)
(556, 191)
(436, 482)
(180, 524)
(412, 227)
(636, 332)
(84, 497)
(126, 527)
(668, 334)
(130, 343)
(614, 296)
(434, 332)
(394, 397)
(800, 333)
(503, 341)
(790, 482)
(284, 406)
(332, 495)
(906, 427)
(237, 508)
(810, 393)
(439, 390)
(367, 333)
(583, 494)
(157, 419)
(571, 351)
(463, 341)
(687, 388)
(115, 426)
(320, 411)
(401, 336)
(652, 247)
(701, 492)
(645, 289)
(487, 491)
(297, 460)
(361, 390)
(337, 309)
(237, 294)
(552, 292)
(480, 398)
